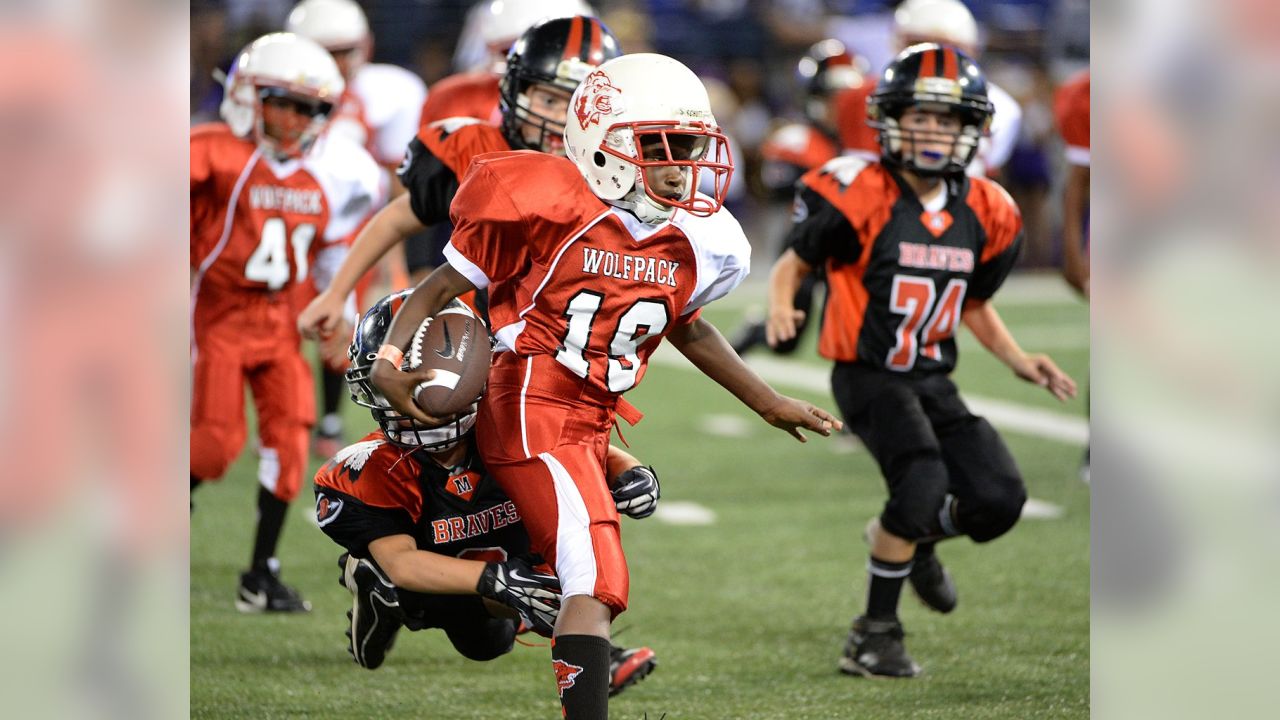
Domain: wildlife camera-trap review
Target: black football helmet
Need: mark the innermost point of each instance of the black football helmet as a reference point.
(826, 69)
(559, 52)
(933, 77)
(369, 335)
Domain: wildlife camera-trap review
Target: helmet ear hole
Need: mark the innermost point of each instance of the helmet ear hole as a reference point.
(599, 159)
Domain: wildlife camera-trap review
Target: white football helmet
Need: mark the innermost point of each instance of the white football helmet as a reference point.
(651, 102)
(338, 25)
(504, 21)
(281, 65)
(941, 21)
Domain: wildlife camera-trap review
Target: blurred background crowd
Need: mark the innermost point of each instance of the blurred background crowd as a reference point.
(747, 52)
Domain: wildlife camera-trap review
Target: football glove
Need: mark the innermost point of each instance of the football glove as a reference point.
(637, 492)
(534, 595)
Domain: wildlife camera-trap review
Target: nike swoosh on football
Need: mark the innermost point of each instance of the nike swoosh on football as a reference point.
(447, 352)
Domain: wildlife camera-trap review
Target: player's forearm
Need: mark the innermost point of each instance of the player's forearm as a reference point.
(707, 349)
(427, 572)
(389, 227)
(432, 294)
(986, 325)
(788, 272)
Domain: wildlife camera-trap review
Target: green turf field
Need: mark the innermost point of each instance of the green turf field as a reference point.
(747, 614)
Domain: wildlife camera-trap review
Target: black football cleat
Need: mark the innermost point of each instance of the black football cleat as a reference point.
(628, 667)
(932, 583)
(375, 614)
(262, 591)
(875, 649)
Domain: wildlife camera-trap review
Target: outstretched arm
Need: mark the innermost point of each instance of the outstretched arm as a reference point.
(432, 294)
(513, 583)
(389, 227)
(422, 571)
(785, 278)
(982, 319)
(707, 349)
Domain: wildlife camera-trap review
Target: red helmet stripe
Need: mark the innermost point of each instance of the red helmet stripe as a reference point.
(597, 35)
(928, 64)
(950, 64)
(573, 46)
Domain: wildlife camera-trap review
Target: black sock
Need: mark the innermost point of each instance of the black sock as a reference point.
(335, 386)
(271, 512)
(884, 586)
(581, 663)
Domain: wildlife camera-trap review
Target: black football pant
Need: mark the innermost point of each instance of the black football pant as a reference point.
(475, 633)
(929, 446)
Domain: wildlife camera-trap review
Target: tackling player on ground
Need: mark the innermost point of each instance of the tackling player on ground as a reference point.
(589, 263)
(431, 540)
(911, 248)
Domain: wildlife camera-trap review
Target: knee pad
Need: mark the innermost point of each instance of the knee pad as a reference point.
(991, 514)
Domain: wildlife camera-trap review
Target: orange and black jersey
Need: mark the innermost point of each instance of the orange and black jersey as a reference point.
(899, 275)
(438, 158)
(374, 489)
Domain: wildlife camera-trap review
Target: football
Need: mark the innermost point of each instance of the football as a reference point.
(455, 343)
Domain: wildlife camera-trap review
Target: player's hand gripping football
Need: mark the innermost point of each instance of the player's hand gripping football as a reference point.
(637, 492)
(399, 386)
(1042, 371)
(791, 414)
(532, 594)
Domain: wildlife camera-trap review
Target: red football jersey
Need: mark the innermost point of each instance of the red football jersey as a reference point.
(260, 225)
(1071, 109)
(575, 278)
(472, 94)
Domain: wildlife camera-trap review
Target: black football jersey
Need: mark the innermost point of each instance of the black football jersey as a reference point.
(898, 275)
(438, 158)
(374, 489)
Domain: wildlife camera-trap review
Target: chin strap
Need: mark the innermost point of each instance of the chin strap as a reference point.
(638, 203)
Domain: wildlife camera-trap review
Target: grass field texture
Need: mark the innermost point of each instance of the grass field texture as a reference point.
(747, 613)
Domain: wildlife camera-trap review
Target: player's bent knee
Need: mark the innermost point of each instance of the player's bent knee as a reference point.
(213, 450)
(496, 640)
(911, 524)
(992, 515)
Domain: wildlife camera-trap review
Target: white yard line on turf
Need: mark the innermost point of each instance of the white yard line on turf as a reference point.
(1003, 414)
(684, 512)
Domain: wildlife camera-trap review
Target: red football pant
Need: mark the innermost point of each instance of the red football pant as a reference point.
(235, 351)
(547, 451)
